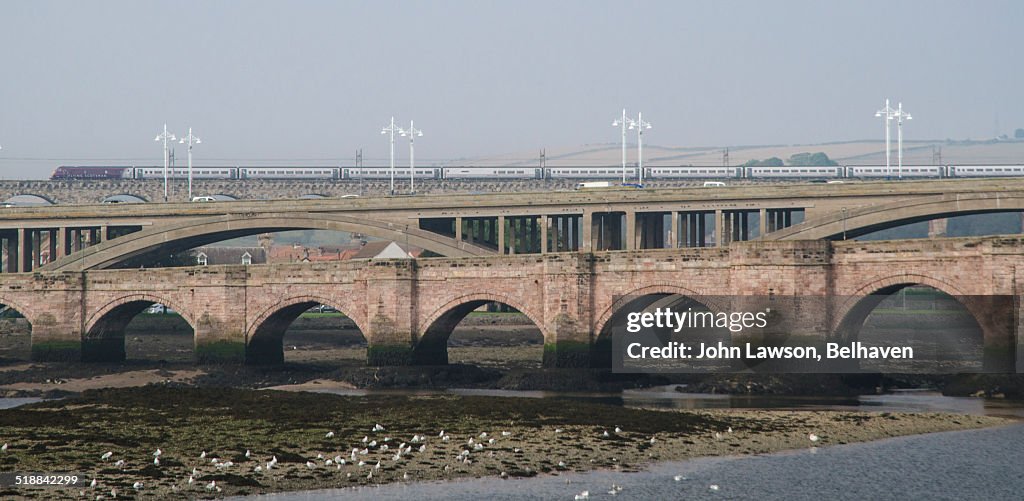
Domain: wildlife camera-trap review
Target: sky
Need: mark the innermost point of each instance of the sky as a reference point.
(309, 82)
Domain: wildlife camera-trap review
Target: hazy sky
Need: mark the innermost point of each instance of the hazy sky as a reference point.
(294, 80)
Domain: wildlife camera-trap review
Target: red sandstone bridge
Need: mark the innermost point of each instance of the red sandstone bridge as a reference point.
(560, 258)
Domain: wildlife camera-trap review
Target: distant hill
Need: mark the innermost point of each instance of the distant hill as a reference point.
(850, 152)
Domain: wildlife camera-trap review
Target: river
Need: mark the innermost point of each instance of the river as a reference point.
(977, 464)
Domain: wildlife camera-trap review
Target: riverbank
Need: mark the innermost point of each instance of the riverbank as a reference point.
(310, 433)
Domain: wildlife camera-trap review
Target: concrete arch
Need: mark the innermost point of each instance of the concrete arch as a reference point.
(103, 332)
(864, 220)
(176, 237)
(431, 344)
(265, 334)
(659, 289)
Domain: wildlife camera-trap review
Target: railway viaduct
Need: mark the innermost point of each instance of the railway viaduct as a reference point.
(86, 237)
(406, 309)
(562, 258)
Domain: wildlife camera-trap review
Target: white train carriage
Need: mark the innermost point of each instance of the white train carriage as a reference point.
(492, 173)
(986, 170)
(385, 173)
(288, 172)
(880, 171)
(799, 172)
(692, 172)
(590, 172)
(182, 173)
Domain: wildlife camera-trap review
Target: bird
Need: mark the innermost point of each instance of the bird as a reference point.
(93, 483)
(652, 440)
(729, 430)
(423, 448)
(158, 453)
(561, 464)
(378, 427)
(605, 434)
(713, 487)
(678, 478)
(156, 461)
(119, 463)
(203, 455)
(718, 436)
(212, 485)
(248, 454)
(329, 434)
(483, 435)
(137, 486)
(106, 455)
(376, 466)
(191, 479)
(618, 430)
(3, 447)
(582, 495)
(813, 438)
(366, 439)
(405, 476)
(310, 465)
(558, 430)
(441, 434)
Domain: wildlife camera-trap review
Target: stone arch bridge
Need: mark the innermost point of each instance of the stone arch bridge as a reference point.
(407, 308)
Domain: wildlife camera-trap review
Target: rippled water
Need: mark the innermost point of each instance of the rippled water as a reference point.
(977, 464)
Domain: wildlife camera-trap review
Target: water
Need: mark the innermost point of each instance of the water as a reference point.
(10, 403)
(976, 464)
(666, 397)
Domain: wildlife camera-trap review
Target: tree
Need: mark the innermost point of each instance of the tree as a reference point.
(768, 162)
(809, 159)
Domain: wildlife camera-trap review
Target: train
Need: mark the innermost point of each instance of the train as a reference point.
(517, 172)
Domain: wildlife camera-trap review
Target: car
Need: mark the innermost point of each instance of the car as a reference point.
(715, 184)
(204, 199)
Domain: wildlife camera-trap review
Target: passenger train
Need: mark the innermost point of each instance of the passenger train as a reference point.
(517, 172)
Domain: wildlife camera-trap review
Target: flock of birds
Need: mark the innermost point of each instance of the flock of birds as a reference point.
(360, 454)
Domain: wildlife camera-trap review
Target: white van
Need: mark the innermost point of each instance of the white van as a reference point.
(204, 199)
(593, 184)
(710, 184)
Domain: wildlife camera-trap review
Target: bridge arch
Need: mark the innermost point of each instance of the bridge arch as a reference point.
(264, 337)
(993, 316)
(643, 298)
(863, 220)
(103, 338)
(431, 344)
(177, 237)
(653, 290)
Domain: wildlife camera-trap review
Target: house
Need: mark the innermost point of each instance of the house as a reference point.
(383, 250)
(204, 256)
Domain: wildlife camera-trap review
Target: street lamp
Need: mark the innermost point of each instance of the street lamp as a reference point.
(412, 132)
(392, 130)
(640, 125)
(190, 140)
(900, 115)
(888, 113)
(165, 136)
(623, 123)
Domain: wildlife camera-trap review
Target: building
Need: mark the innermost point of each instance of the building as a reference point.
(204, 256)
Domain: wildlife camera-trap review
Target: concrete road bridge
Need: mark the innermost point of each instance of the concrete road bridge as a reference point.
(406, 309)
(90, 237)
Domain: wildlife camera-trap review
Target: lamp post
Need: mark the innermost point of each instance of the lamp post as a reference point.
(900, 115)
(190, 140)
(412, 132)
(888, 114)
(640, 125)
(165, 136)
(623, 123)
(392, 130)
